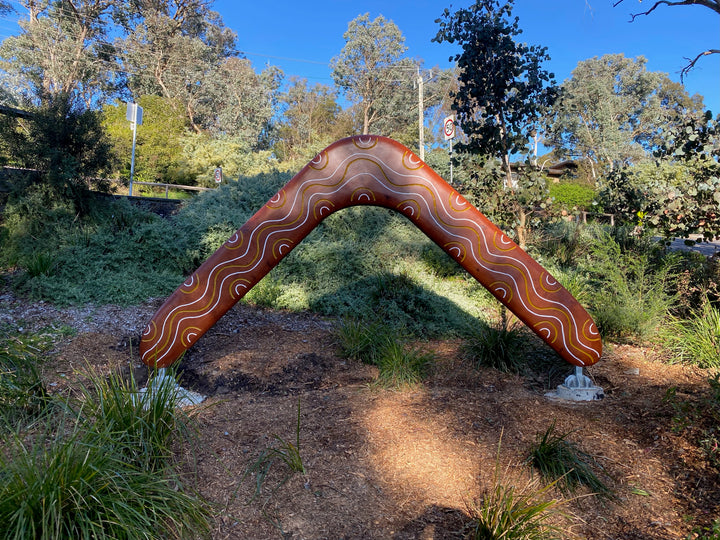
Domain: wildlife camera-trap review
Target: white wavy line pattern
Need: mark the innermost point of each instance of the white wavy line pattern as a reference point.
(376, 173)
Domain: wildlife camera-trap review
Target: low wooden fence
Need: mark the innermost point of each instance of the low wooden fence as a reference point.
(582, 216)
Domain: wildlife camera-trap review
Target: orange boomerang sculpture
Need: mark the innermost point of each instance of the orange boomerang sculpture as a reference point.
(377, 171)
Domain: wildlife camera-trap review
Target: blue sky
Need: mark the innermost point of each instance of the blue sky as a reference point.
(302, 37)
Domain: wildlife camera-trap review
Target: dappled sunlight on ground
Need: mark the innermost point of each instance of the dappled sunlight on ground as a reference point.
(418, 453)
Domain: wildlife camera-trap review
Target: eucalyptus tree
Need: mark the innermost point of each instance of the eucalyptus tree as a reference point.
(242, 102)
(503, 92)
(311, 118)
(62, 50)
(170, 48)
(613, 112)
(374, 75)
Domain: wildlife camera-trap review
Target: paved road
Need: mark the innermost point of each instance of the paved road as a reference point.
(706, 248)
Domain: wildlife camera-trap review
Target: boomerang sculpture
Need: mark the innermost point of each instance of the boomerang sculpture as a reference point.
(370, 170)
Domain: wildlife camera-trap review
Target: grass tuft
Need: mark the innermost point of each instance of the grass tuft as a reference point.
(399, 364)
(695, 341)
(514, 510)
(496, 345)
(560, 461)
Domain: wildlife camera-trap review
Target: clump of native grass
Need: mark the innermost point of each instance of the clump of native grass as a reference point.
(513, 508)
(560, 460)
(100, 468)
(695, 340)
(399, 363)
(497, 344)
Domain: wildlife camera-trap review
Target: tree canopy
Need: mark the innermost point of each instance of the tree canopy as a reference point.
(503, 88)
(372, 72)
(613, 111)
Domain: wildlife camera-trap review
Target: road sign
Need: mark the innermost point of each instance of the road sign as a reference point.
(134, 113)
(218, 175)
(449, 128)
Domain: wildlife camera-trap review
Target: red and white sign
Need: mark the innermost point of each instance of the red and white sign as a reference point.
(218, 175)
(449, 128)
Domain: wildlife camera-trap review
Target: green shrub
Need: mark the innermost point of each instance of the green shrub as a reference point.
(632, 281)
(101, 471)
(569, 196)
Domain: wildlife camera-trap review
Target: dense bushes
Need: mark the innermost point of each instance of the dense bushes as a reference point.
(368, 263)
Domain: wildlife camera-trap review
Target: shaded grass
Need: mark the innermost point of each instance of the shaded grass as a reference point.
(399, 363)
(499, 345)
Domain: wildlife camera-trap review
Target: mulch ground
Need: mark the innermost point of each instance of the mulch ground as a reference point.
(410, 463)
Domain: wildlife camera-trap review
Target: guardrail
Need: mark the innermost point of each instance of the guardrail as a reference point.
(174, 186)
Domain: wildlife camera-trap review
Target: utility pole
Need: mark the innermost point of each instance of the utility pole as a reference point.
(421, 116)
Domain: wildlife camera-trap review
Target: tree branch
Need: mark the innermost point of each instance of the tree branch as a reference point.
(684, 71)
(710, 4)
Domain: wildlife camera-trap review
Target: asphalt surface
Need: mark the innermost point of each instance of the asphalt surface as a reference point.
(706, 248)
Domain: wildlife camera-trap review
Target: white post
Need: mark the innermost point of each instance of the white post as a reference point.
(134, 115)
(133, 126)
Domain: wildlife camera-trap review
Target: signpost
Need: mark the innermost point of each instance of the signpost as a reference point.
(133, 115)
(449, 131)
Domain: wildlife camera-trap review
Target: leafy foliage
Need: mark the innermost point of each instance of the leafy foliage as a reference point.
(158, 150)
(68, 149)
(23, 395)
(680, 193)
(503, 92)
(371, 341)
(570, 196)
(631, 283)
